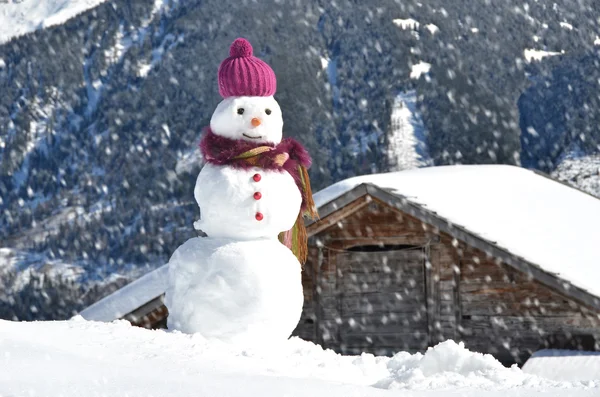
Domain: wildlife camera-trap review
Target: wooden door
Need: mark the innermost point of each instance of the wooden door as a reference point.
(382, 301)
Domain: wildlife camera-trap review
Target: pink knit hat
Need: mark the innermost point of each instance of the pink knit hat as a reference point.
(245, 75)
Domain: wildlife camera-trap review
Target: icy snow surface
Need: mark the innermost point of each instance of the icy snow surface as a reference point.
(564, 365)
(81, 358)
(20, 17)
(544, 221)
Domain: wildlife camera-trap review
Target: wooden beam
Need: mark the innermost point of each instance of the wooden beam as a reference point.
(150, 313)
(334, 216)
(340, 202)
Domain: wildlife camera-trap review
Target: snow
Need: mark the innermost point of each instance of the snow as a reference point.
(243, 292)
(228, 208)
(82, 358)
(21, 17)
(531, 216)
(168, 43)
(566, 25)
(537, 55)
(406, 23)
(564, 365)
(597, 41)
(407, 146)
(240, 284)
(227, 122)
(188, 160)
(432, 28)
(581, 171)
(419, 69)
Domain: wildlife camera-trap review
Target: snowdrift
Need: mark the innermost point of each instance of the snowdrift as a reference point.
(78, 357)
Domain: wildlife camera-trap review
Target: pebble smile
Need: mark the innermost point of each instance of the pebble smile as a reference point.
(252, 137)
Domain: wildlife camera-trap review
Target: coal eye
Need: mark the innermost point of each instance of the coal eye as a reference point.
(268, 111)
(240, 111)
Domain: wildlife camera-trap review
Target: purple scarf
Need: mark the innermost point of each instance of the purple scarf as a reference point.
(219, 150)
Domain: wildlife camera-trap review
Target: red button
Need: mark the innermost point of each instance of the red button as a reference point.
(256, 177)
(259, 216)
(257, 195)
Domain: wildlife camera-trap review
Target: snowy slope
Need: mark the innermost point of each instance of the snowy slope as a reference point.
(20, 17)
(407, 147)
(537, 218)
(80, 358)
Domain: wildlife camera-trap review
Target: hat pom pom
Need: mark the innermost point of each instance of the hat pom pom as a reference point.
(241, 48)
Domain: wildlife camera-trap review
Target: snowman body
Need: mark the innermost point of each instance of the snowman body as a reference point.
(242, 292)
(232, 199)
(240, 284)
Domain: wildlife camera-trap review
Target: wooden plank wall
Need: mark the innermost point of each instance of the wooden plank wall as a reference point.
(382, 301)
(506, 313)
(470, 296)
(307, 326)
(371, 224)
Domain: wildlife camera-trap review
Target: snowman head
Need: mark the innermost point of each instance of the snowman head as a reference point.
(250, 118)
(248, 111)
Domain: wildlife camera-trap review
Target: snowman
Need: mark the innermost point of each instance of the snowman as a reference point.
(241, 284)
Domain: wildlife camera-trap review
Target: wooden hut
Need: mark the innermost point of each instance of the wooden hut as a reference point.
(498, 257)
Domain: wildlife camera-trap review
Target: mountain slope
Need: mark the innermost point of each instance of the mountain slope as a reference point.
(100, 116)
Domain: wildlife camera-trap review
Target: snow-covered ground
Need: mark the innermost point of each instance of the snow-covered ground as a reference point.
(81, 358)
(18, 17)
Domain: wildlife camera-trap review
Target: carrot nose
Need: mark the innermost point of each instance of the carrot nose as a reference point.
(256, 122)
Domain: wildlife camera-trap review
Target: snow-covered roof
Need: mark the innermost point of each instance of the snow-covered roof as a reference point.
(564, 365)
(531, 216)
(129, 298)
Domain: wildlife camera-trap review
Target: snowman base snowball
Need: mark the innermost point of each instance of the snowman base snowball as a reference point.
(246, 293)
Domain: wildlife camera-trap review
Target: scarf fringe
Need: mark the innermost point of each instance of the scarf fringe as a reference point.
(296, 238)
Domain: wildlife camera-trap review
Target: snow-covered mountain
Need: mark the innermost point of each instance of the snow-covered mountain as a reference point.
(101, 113)
(18, 17)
